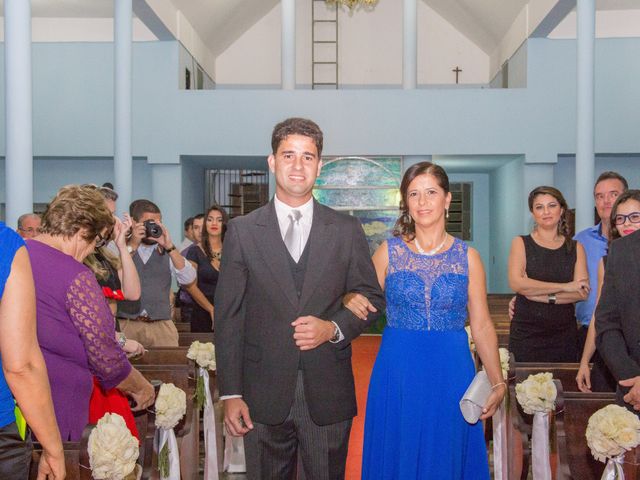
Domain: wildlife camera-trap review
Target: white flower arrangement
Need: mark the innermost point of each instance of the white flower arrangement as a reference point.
(171, 405)
(204, 354)
(537, 393)
(113, 451)
(611, 431)
(504, 362)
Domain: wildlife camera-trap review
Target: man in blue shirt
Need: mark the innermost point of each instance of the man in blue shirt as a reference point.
(595, 241)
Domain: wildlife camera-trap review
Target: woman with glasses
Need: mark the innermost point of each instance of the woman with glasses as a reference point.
(625, 217)
(548, 272)
(75, 325)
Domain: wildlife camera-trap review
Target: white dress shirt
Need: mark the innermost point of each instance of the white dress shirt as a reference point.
(306, 220)
(184, 276)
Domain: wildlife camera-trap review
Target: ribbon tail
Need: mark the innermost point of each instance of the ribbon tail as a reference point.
(500, 443)
(209, 427)
(541, 465)
(613, 469)
(174, 456)
(234, 460)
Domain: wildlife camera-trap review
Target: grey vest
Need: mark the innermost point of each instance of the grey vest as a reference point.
(155, 283)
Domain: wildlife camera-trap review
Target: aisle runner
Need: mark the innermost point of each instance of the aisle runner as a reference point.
(365, 349)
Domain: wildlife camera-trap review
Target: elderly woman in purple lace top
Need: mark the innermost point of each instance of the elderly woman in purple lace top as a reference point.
(75, 325)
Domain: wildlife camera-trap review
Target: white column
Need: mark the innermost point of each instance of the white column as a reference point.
(122, 159)
(585, 159)
(18, 117)
(288, 60)
(410, 45)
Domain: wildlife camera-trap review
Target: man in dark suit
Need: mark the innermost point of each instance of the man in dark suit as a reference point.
(283, 338)
(618, 318)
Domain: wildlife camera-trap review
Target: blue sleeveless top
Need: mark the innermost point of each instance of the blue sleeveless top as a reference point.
(427, 292)
(10, 242)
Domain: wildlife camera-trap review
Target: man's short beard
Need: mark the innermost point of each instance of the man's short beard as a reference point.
(149, 241)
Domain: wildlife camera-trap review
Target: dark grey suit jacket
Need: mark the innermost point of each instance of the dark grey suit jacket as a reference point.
(256, 302)
(618, 312)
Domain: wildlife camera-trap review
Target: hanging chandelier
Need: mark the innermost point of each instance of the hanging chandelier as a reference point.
(352, 3)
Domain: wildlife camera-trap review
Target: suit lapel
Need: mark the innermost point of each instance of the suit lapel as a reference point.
(274, 252)
(321, 242)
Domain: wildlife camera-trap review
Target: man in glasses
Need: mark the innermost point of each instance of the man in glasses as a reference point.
(29, 225)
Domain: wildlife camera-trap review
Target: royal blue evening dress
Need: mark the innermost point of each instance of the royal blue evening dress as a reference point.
(414, 428)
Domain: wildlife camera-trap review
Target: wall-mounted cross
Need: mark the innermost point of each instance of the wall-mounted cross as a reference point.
(457, 70)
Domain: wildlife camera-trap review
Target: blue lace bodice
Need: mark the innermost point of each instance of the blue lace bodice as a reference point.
(427, 292)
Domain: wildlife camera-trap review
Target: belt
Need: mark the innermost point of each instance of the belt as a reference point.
(140, 318)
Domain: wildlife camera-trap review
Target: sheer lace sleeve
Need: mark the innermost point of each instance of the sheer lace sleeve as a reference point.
(93, 319)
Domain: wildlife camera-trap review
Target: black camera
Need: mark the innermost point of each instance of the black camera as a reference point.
(152, 229)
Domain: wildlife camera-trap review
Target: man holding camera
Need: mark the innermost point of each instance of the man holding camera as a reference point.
(148, 320)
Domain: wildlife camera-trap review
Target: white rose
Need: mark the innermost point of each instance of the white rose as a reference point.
(113, 451)
(537, 393)
(612, 430)
(203, 354)
(504, 362)
(171, 405)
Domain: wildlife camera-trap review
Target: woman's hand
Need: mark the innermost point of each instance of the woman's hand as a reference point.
(212, 313)
(144, 396)
(494, 401)
(133, 348)
(51, 466)
(120, 230)
(359, 305)
(581, 286)
(584, 378)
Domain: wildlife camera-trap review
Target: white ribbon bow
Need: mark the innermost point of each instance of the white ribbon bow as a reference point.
(209, 426)
(500, 443)
(613, 469)
(162, 437)
(541, 465)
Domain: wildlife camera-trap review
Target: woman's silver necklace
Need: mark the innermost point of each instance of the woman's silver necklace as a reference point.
(433, 251)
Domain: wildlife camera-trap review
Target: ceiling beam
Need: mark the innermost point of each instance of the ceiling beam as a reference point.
(152, 21)
(553, 17)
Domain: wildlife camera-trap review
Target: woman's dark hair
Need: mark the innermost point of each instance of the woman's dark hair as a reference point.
(563, 225)
(405, 226)
(623, 198)
(206, 244)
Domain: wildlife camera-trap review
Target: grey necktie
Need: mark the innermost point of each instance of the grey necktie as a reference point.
(293, 236)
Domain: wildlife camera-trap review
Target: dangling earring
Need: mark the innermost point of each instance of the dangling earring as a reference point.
(446, 213)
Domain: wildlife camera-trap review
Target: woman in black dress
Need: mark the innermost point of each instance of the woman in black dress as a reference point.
(205, 256)
(548, 271)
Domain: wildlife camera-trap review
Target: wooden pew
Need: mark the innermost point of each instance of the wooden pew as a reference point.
(576, 461)
(183, 326)
(565, 372)
(187, 338)
(76, 458)
(187, 431)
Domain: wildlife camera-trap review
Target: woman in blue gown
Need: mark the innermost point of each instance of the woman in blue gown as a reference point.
(414, 428)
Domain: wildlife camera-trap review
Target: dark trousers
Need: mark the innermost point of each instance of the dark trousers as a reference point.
(15, 454)
(272, 450)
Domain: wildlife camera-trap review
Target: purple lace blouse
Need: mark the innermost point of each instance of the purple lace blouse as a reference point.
(76, 335)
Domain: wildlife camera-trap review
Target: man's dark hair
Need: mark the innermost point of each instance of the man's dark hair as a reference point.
(142, 206)
(199, 216)
(609, 175)
(188, 223)
(296, 126)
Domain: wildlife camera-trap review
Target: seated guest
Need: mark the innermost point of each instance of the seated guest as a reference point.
(183, 299)
(188, 235)
(23, 373)
(625, 219)
(75, 326)
(29, 225)
(548, 271)
(205, 257)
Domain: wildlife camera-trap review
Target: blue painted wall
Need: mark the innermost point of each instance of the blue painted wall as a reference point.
(73, 117)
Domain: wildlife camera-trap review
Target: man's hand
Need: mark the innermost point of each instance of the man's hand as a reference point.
(310, 332)
(144, 397)
(164, 240)
(633, 397)
(236, 417)
(358, 304)
(51, 466)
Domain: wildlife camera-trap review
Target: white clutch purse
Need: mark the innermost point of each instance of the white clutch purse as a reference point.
(475, 397)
